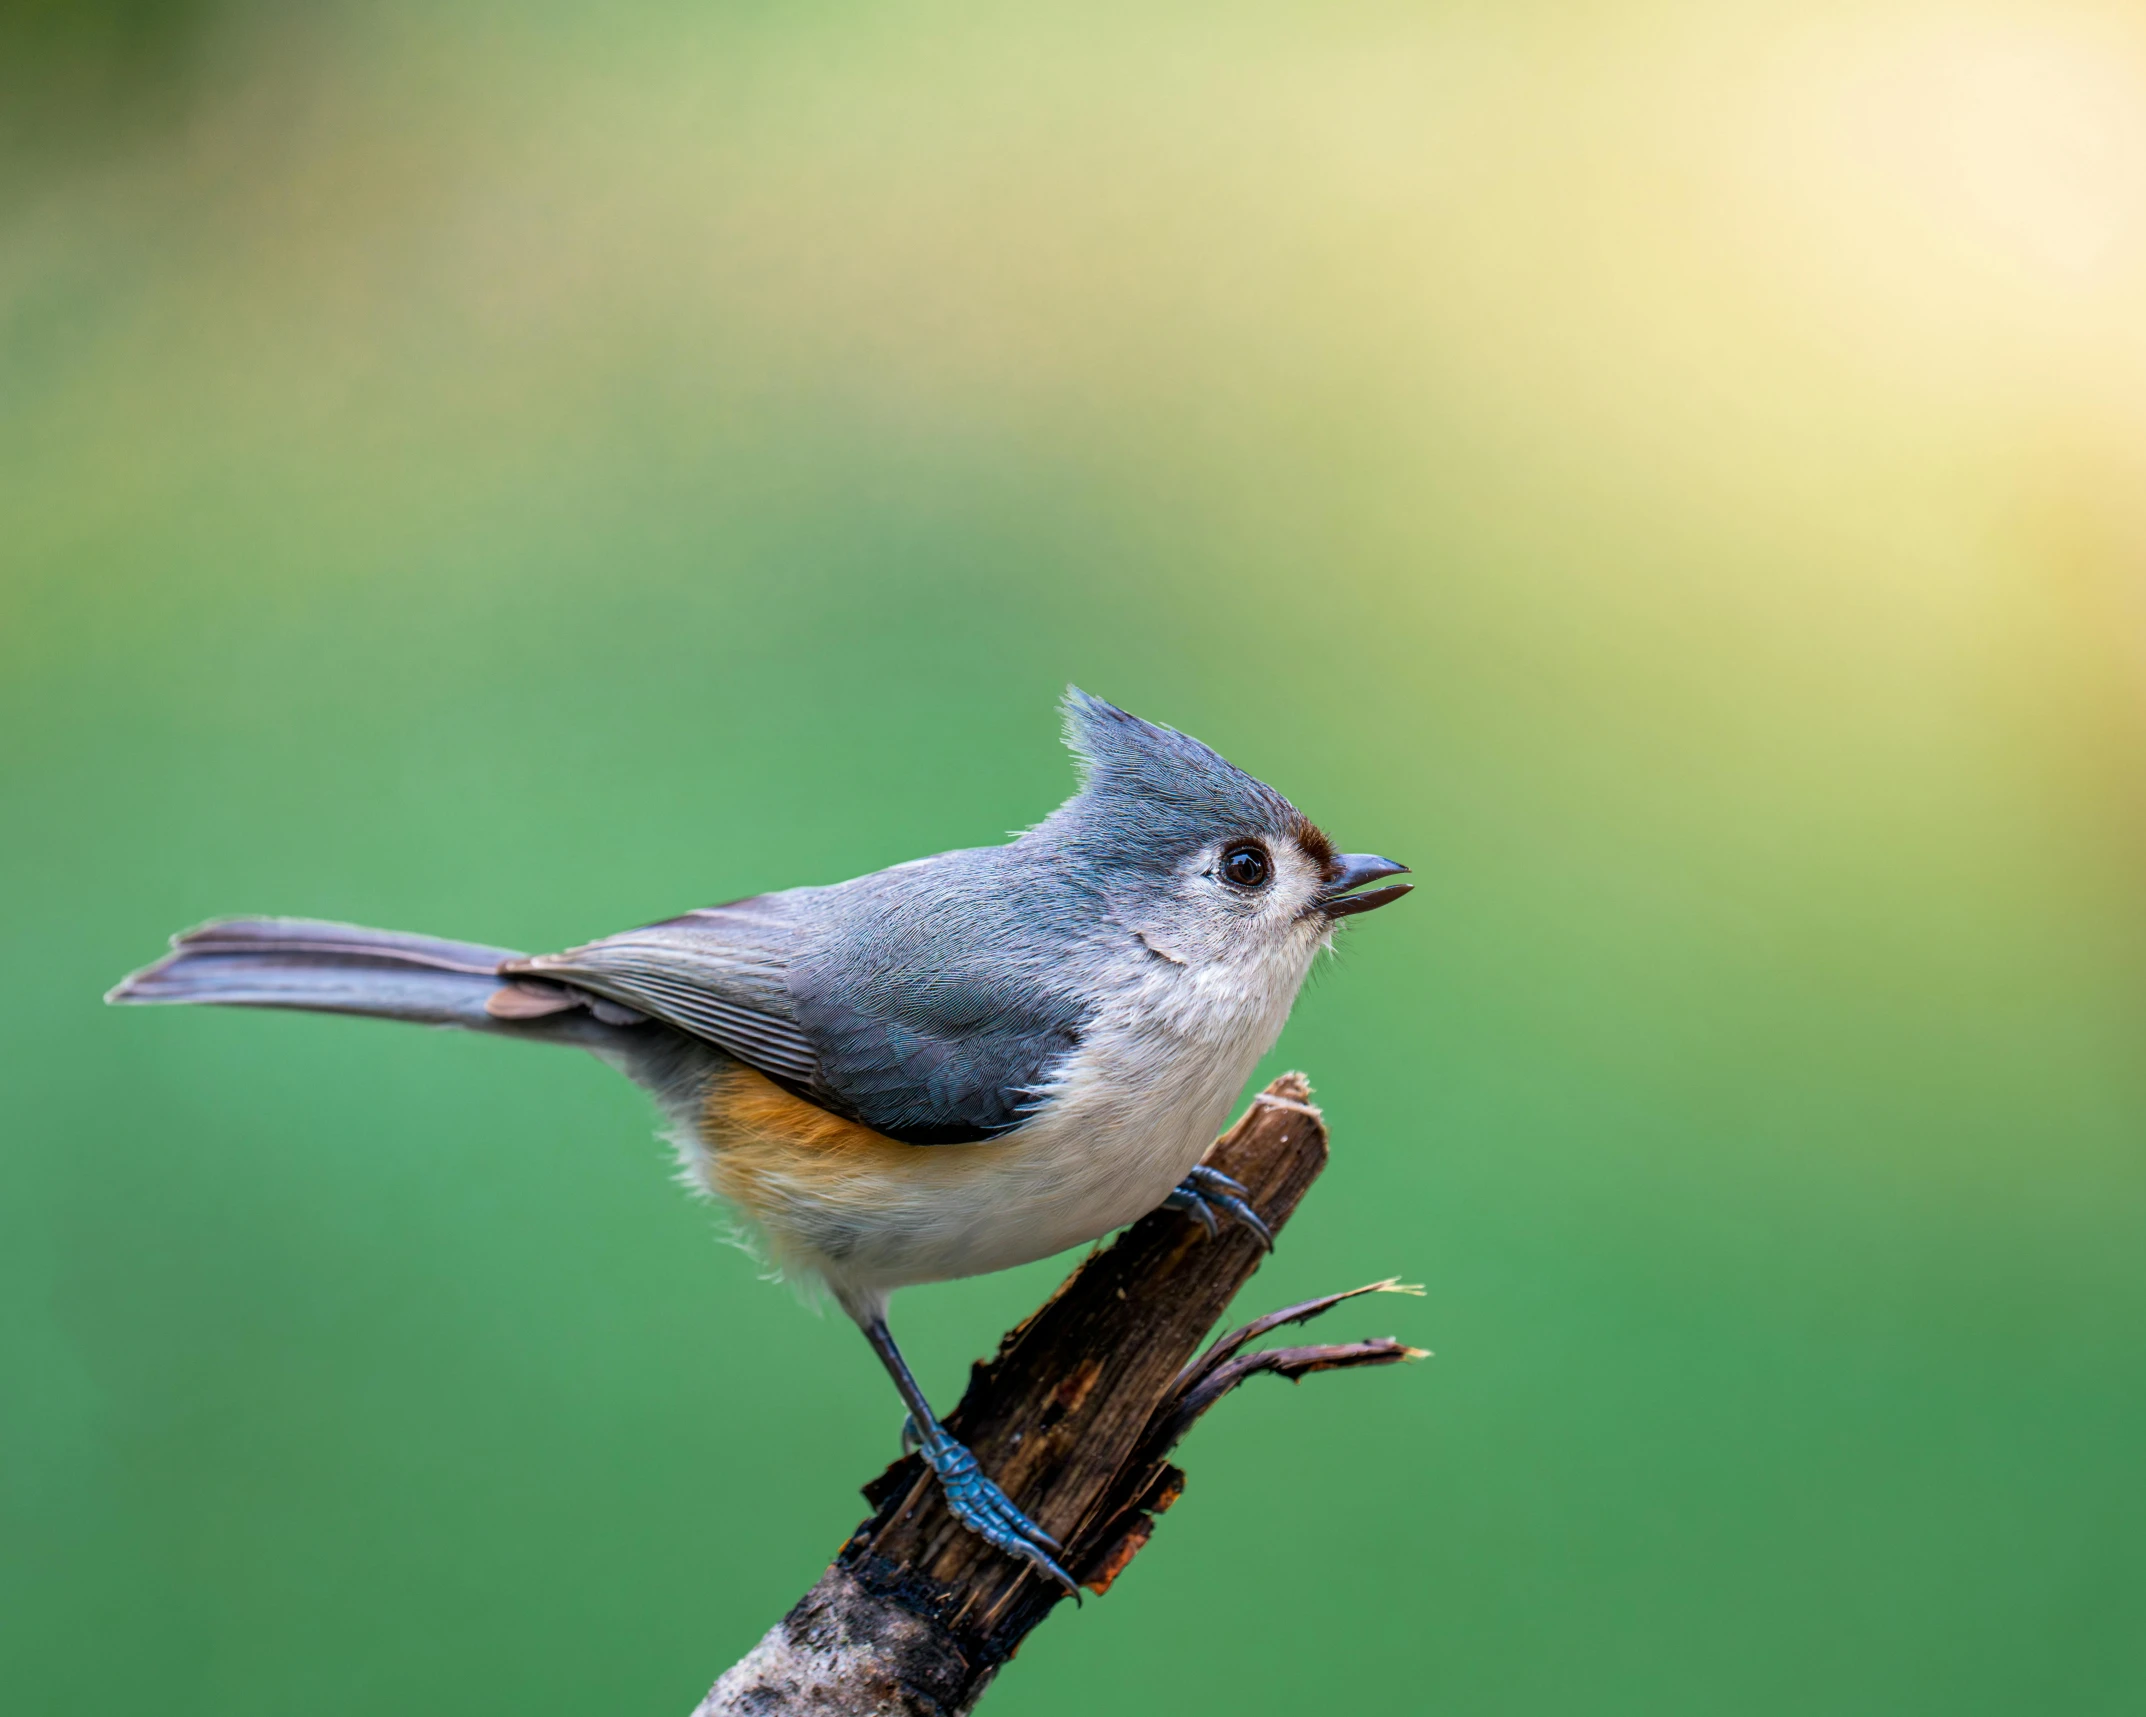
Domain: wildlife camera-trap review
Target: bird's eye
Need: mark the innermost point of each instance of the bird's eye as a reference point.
(1246, 866)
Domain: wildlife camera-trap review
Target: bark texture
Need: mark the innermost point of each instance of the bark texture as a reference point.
(1075, 1417)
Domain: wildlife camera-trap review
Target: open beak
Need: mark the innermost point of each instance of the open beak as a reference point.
(1354, 870)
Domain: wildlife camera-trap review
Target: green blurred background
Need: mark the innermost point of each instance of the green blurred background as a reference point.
(1673, 473)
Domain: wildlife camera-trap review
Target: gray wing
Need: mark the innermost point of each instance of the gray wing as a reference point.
(941, 997)
(927, 1002)
(718, 973)
(919, 1075)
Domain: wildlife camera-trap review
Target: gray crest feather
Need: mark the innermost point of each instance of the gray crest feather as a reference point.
(1151, 793)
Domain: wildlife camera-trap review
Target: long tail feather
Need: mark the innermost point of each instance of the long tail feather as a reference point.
(327, 968)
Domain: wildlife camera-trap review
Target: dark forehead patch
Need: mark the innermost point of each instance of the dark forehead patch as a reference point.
(1316, 846)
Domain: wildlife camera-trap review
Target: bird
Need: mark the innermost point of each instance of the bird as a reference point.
(953, 1066)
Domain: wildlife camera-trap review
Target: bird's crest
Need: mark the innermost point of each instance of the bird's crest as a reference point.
(1176, 789)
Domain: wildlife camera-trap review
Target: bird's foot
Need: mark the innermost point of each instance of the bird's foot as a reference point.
(986, 1510)
(1205, 1191)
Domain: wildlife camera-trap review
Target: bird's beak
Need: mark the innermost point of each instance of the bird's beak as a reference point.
(1353, 870)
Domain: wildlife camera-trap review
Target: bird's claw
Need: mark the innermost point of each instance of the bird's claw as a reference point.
(1205, 1191)
(989, 1513)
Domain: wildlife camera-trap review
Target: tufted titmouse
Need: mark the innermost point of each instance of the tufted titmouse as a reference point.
(960, 1064)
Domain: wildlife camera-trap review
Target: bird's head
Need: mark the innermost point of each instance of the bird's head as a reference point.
(1208, 864)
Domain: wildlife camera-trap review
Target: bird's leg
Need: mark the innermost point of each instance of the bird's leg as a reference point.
(1204, 1191)
(976, 1502)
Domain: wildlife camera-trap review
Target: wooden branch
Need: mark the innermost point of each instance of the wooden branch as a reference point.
(1074, 1417)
